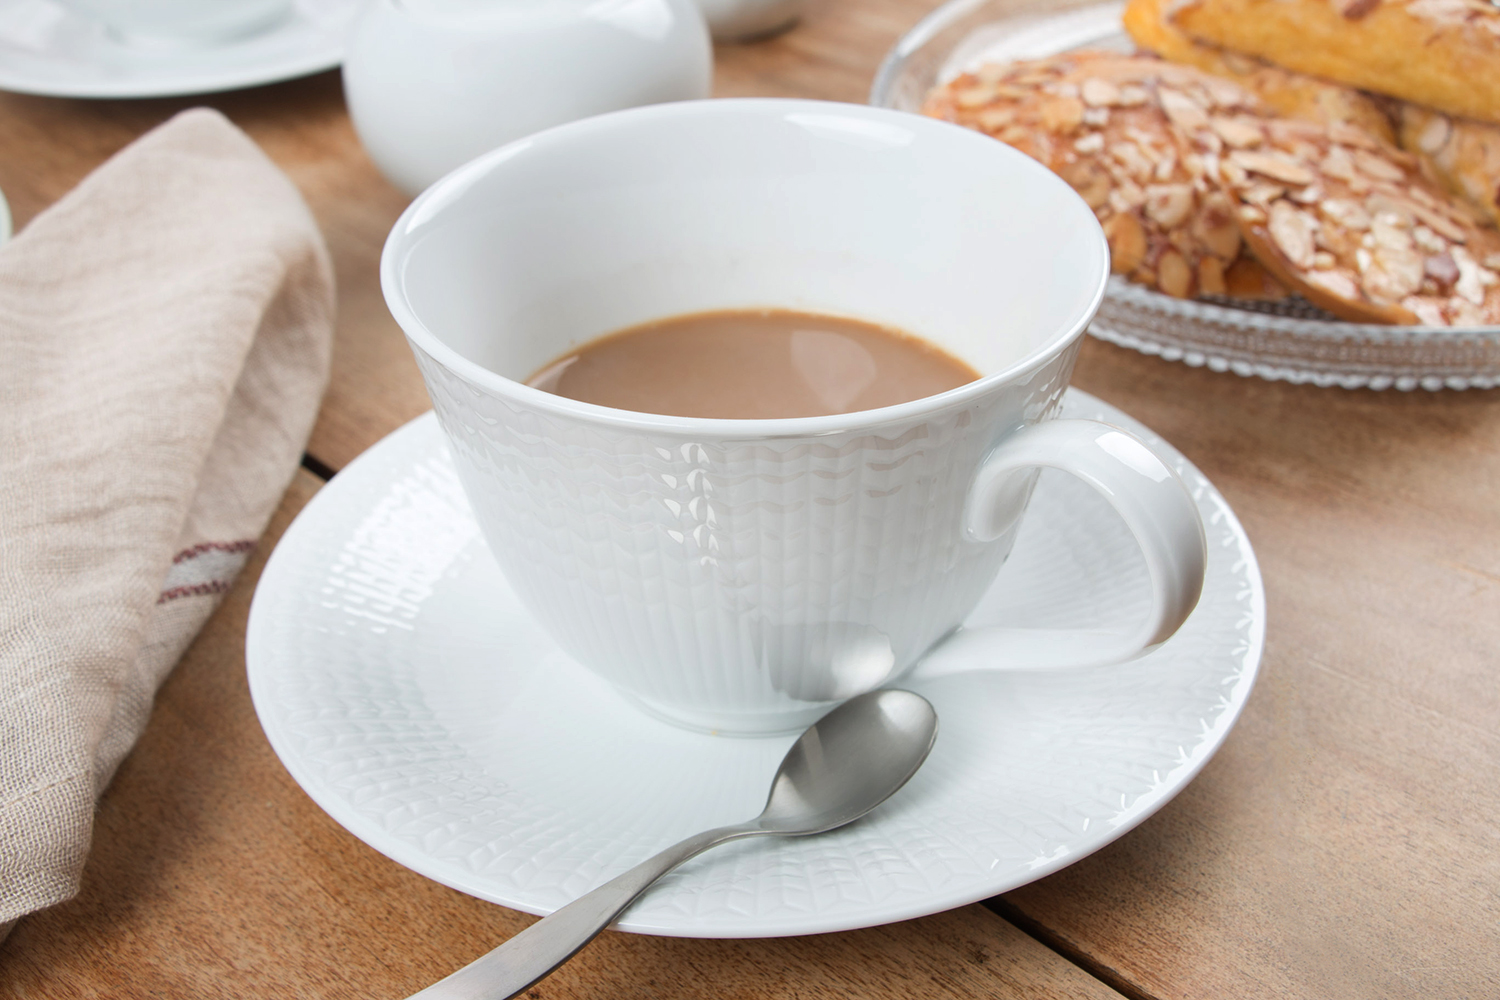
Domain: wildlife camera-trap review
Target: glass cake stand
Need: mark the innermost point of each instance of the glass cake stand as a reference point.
(1289, 340)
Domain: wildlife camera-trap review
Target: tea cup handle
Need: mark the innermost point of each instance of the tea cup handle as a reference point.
(1152, 500)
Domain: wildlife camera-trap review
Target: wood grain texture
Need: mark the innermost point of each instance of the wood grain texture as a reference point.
(1342, 844)
(212, 875)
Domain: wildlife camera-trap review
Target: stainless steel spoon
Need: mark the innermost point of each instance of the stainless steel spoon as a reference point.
(846, 764)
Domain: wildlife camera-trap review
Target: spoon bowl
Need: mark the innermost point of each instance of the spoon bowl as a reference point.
(848, 762)
(843, 766)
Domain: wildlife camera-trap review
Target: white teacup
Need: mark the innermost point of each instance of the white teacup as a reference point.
(182, 20)
(742, 575)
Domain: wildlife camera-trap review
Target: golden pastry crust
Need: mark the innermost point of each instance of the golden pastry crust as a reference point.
(1464, 154)
(1096, 120)
(1353, 225)
(1249, 279)
(1440, 53)
(1295, 95)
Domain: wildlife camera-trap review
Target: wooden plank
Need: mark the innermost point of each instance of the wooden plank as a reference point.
(213, 875)
(1343, 843)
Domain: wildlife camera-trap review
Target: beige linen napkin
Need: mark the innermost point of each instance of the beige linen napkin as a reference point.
(165, 331)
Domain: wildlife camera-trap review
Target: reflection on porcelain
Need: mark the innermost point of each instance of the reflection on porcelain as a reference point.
(432, 84)
(414, 698)
(182, 20)
(740, 575)
(50, 50)
(749, 20)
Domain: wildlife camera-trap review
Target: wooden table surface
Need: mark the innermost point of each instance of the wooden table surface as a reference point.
(1343, 843)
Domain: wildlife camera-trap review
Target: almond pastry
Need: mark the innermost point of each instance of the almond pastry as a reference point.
(1104, 123)
(1464, 154)
(1295, 95)
(1353, 226)
(1441, 53)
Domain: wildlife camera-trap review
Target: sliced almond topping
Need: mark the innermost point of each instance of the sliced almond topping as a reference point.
(1132, 96)
(1184, 112)
(1238, 133)
(1130, 156)
(1173, 275)
(1097, 117)
(1089, 180)
(1262, 194)
(974, 97)
(1441, 268)
(1338, 164)
(995, 119)
(1444, 225)
(1310, 195)
(1091, 143)
(1292, 231)
(1335, 282)
(1349, 214)
(1391, 231)
(1435, 134)
(1062, 114)
(1377, 167)
(1396, 268)
(1099, 93)
(1352, 135)
(1225, 94)
(1428, 240)
(1428, 312)
(1276, 166)
(1250, 215)
(1215, 228)
(1464, 313)
(1388, 281)
(1398, 210)
(1492, 261)
(1471, 277)
(1015, 135)
(1169, 204)
(1232, 173)
(1323, 260)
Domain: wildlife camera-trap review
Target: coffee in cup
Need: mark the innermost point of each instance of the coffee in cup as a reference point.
(753, 364)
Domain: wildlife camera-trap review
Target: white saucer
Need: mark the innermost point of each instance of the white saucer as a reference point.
(413, 699)
(45, 49)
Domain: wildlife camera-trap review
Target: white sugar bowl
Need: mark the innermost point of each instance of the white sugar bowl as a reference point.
(748, 20)
(431, 84)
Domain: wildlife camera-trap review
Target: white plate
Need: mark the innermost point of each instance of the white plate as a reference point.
(411, 697)
(45, 49)
(1291, 339)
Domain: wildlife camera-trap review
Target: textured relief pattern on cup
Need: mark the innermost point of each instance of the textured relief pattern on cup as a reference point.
(729, 576)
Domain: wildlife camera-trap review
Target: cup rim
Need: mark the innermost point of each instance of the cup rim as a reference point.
(449, 190)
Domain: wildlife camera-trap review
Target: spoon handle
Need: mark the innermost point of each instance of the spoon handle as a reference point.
(532, 954)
